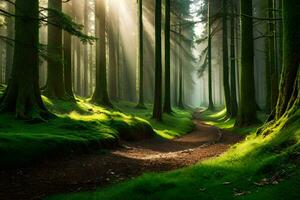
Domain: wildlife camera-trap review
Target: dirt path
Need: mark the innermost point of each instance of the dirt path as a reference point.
(86, 172)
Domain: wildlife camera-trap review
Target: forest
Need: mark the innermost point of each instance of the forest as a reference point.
(149, 99)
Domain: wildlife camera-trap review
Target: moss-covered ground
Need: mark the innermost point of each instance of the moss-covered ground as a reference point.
(174, 125)
(79, 127)
(261, 167)
(218, 118)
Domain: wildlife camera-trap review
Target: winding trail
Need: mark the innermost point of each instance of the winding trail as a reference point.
(88, 171)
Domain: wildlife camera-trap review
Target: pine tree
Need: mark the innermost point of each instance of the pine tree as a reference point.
(247, 108)
(167, 102)
(22, 95)
(226, 84)
(157, 109)
(140, 56)
(100, 95)
(55, 86)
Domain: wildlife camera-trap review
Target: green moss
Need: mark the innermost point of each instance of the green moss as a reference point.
(78, 127)
(237, 174)
(218, 118)
(81, 126)
(177, 124)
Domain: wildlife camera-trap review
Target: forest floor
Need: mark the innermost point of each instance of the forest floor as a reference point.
(88, 171)
(257, 168)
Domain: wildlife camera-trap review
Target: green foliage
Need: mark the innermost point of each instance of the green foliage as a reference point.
(65, 22)
(257, 168)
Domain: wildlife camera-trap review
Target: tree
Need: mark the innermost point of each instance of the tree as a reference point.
(271, 69)
(22, 95)
(233, 99)
(112, 53)
(85, 51)
(289, 87)
(180, 92)
(289, 92)
(100, 95)
(55, 86)
(209, 58)
(247, 108)
(225, 58)
(167, 102)
(140, 56)
(67, 57)
(157, 109)
(9, 46)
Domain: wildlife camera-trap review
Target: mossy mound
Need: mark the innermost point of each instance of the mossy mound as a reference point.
(79, 127)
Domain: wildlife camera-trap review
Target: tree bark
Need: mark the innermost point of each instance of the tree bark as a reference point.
(233, 96)
(209, 57)
(272, 55)
(112, 78)
(22, 95)
(167, 102)
(68, 59)
(100, 95)
(55, 87)
(140, 56)
(180, 93)
(9, 46)
(225, 58)
(157, 109)
(289, 87)
(247, 109)
(86, 51)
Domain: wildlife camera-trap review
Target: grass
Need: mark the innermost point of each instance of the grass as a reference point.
(257, 168)
(175, 125)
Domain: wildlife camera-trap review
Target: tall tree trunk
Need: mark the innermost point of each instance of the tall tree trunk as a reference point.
(272, 55)
(247, 109)
(157, 109)
(225, 58)
(278, 35)
(55, 79)
(176, 67)
(289, 86)
(22, 95)
(289, 92)
(78, 67)
(100, 95)
(118, 62)
(9, 46)
(268, 74)
(209, 57)
(167, 102)
(68, 58)
(112, 78)
(180, 92)
(233, 99)
(140, 55)
(86, 51)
